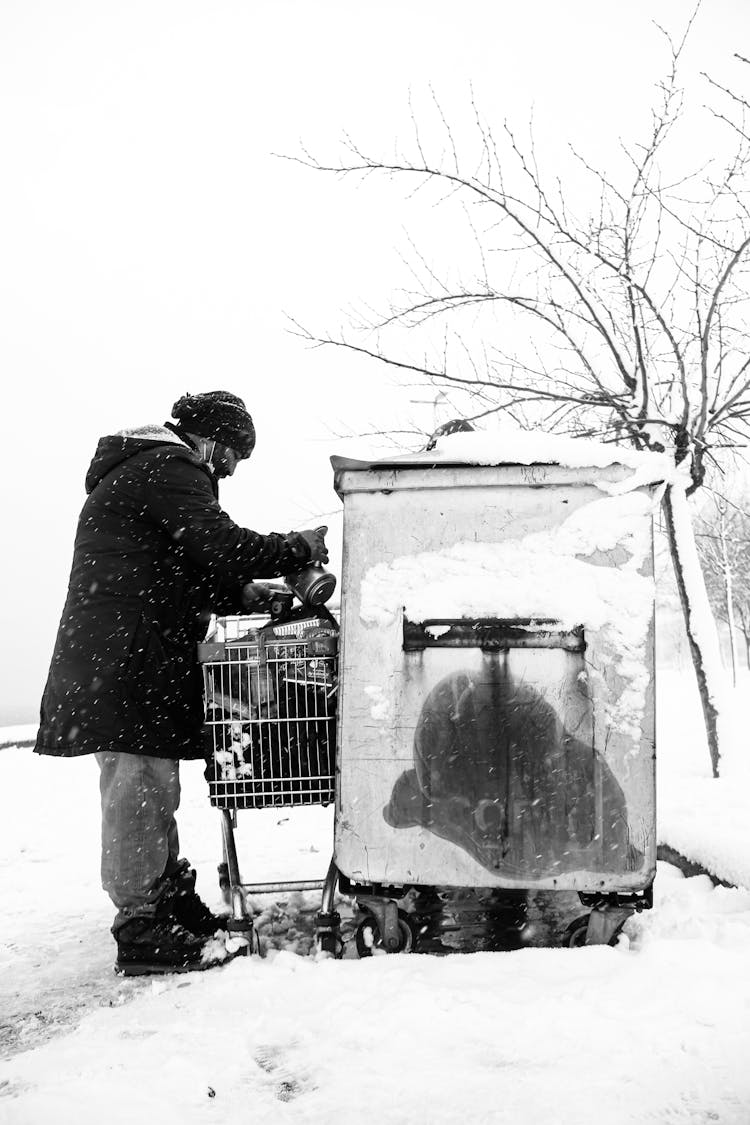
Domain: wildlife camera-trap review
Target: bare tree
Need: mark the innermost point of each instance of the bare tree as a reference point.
(628, 324)
(723, 537)
(742, 606)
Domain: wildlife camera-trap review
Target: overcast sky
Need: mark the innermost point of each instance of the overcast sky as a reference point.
(151, 243)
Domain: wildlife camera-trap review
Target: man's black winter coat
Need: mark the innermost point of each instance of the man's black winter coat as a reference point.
(154, 556)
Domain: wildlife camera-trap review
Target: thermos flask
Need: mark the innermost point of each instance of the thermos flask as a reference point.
(313, 586)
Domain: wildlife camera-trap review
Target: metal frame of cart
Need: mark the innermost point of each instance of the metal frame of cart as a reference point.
(270, 689)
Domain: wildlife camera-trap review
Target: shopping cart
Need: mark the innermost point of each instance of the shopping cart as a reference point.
(270, 684)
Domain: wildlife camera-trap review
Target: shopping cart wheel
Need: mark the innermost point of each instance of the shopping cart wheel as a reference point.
(224, 884)
(330, 943)
(327, 937)
(368, 938)
(257, 947)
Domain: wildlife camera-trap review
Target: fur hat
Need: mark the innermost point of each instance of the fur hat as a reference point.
(218, 415)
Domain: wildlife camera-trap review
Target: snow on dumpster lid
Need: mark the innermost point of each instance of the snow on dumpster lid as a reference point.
(508, 445)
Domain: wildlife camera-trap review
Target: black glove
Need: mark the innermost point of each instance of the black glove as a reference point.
(256, 597)
(315, 540)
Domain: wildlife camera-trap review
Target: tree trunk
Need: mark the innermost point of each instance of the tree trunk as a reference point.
(702, 638)
(729, 593)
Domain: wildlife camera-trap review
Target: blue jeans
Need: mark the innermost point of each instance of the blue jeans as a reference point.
(140, 846)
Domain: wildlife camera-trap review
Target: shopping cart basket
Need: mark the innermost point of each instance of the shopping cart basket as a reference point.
(270, 728)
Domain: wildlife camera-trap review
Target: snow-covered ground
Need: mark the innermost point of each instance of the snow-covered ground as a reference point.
(10, 736)
(655, 1030)
(706, 820)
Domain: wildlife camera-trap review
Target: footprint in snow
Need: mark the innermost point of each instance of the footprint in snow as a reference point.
(288, 1085)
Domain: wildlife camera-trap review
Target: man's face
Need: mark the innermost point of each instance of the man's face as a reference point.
(224, 461)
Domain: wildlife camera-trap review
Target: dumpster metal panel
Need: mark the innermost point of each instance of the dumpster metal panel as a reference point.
(476, 752)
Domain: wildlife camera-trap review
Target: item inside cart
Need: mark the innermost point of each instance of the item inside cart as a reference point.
(271, 711)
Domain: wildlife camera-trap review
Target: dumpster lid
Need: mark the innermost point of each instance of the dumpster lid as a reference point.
(509, 445)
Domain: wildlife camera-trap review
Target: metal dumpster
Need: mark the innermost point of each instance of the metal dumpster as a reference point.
(496, 708)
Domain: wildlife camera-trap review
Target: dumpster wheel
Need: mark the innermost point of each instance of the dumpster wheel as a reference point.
(367, 937)
(575, 935)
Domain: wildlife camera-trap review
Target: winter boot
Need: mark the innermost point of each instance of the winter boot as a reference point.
(187, 908)
(150, 944)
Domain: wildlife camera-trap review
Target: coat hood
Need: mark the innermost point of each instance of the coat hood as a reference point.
(114, 449)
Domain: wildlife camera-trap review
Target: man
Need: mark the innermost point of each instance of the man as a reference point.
(154, 556)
